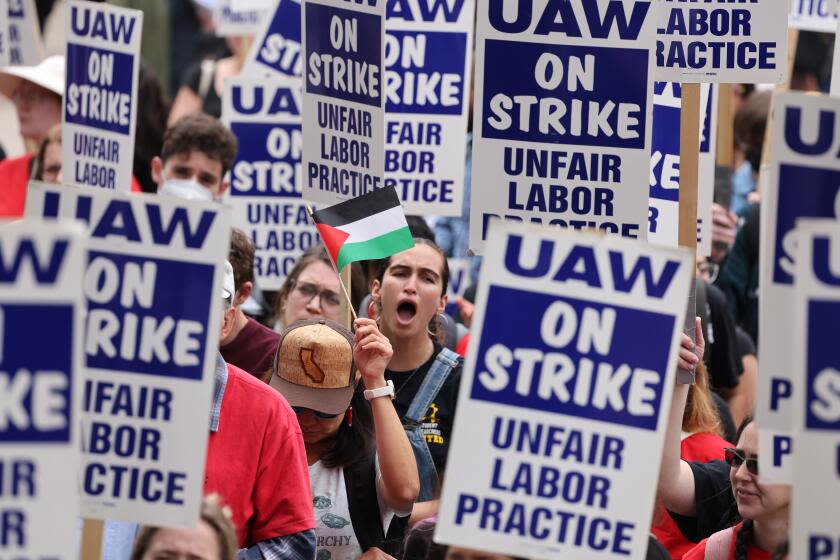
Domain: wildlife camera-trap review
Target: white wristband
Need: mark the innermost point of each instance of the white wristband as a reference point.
(387, 390)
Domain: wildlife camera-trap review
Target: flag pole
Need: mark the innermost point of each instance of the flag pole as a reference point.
(335, 268)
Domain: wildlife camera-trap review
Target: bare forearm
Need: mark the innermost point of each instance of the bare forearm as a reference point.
(423, 510)
(396, 458)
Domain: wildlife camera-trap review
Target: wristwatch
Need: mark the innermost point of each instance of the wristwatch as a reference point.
(387, 390)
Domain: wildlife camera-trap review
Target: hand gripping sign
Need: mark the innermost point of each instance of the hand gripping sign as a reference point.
(152, 281)
(265, 178)
(742, 41)
(427, 89)
(41, 311)
(100, 95)
(343, 99)
(564, 395)
(816, 458)
(563, 104)
(805, 183)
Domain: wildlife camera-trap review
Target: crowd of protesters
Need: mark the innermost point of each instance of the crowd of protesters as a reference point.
(336, 471)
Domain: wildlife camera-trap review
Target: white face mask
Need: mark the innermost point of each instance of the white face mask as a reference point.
(187, 189)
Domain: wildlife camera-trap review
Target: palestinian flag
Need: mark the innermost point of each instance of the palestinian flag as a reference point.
(371, 226)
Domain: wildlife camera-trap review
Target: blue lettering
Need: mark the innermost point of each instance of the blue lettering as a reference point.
(179, 220)
(514, 250)
(466, 504)
(118, 219)
(615, 16)
(779, 389)
(121, 27)
(782, 445)
(580, 256)
(429, 10)
(44, 270)
(793, 132)
(820, 546)
(626, 283)
(822, 262)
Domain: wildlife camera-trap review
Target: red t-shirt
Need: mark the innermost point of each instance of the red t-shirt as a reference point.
(14, 180)
(696, 447)
(256, 461)
(14, 176)
(253, 349)
(753, 552)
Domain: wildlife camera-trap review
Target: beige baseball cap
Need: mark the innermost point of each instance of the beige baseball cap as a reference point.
(313, 366)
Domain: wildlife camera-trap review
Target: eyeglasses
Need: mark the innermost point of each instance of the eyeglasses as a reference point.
(328, 298)
(736, 457)
(315, 413)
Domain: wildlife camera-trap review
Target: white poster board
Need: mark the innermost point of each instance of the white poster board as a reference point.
(25, 45)
(815, 504)
(276, 50)
(41, 318)
(805, 183)
(4, 33)
(706, 166)
(664, 217)
(236, 21)
(813, 15)
(562, 123)
(428, 55)
(344, 146)
(741, 42)
(264, 115)
(152, 282)
(564, 395)
(100, 95)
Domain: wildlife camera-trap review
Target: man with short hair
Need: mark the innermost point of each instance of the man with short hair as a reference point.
(256, 459)
(250, 345)
(197, 152)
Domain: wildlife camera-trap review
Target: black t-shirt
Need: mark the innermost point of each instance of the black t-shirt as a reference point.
(211, 103)
(746, 346)
(723, 357)
(437, 422)
(714, 504)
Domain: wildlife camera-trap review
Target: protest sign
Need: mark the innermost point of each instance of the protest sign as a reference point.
(343, 99)
(813, 15)
(252, 4)
(4, 33)
(663, 222)
(231, 21)
(100, 95)
(24, 39)
(732, 42)
(816, 465)
(459, 281)
(709, 95)
(805, 182)
(276, 50)
(564, 395)
(562, 130)
(428, 48)
(41, 318)
(152, 282)
(264, 114)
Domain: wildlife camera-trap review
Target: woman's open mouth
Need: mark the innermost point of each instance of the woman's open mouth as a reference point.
(406, 312)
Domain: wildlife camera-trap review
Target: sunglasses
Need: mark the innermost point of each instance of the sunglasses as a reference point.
(736, 457)
(315, 413)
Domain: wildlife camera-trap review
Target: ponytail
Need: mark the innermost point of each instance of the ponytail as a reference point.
(744, 539)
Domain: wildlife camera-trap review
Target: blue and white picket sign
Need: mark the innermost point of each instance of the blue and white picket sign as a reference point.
(4, 33)
(563, 108)
(428, 52)
(41, 321)
(100, 95)
(815, 505)
(153, 285)
(343, 99)
(816, 501)
(664, 218)
(459, 281)
(25, 45)
(276, 50)
(709, 97)
(265, 179)
(805, 182)
(722, 42)
(813, 15)
(230, 20)
(565, 395)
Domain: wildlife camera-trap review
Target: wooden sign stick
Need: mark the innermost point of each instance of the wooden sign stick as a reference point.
(92, 531)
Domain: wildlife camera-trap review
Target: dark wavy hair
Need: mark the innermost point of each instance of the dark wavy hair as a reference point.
(352, 443)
